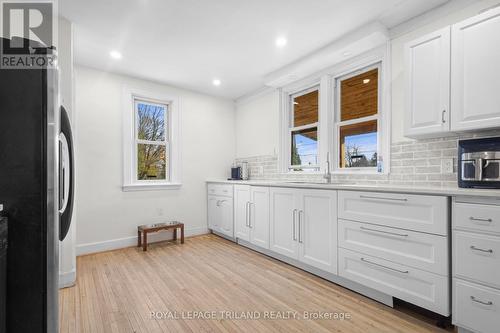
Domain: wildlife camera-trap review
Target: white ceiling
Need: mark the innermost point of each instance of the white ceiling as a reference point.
(188, 43)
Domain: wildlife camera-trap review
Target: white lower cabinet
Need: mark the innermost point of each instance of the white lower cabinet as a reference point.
(428, 290)
(304, 226)
(251, 214)
(476, 264)
(220, 213)
(476, 307)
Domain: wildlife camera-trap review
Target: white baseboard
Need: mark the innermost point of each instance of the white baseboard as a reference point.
(120, 243)
(67, 279)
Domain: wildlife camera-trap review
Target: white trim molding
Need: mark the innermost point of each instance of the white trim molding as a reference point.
(120, 243)
(130, 182)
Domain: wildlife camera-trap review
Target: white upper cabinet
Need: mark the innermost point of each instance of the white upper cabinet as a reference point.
(427, 62)
(475, 72)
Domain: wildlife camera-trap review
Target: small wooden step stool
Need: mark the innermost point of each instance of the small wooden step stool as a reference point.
(149, 228)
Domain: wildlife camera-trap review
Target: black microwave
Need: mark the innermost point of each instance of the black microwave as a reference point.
(479, 163)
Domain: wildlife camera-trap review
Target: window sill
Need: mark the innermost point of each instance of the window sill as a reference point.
(151, 187)
(359, 172)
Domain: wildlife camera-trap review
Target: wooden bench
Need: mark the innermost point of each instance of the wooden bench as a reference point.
(143, 230)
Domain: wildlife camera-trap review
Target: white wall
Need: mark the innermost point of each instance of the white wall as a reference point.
(107, 216)
(261, 115)
(257, 130)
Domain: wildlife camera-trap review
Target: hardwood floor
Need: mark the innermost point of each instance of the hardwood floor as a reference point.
(117, 291)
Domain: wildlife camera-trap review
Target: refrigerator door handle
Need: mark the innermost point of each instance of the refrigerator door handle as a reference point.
(67, 178)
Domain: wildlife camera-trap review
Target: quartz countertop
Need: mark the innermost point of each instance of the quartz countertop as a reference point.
(351, 186)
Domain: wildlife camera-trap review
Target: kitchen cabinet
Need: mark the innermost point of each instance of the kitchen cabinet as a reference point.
(304, 226)
(427, 61)
(252, 214)
(220, 209)
(475, 72)
(476, 264)
(283, 222)
(241, 203)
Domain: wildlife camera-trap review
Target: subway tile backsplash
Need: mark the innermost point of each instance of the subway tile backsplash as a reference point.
(414, 163)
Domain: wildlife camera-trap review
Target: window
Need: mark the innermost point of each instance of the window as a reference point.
(151, 154)
(151, 133)
(343, 112)
(303, 130)
(357, 119)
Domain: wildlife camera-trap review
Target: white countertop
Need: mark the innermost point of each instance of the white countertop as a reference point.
(350, 186)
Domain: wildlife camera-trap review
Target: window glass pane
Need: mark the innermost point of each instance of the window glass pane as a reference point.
(359, 96)
(151, 162)
(150, 121)
(358, 145)
(305, 147)
(305, 109)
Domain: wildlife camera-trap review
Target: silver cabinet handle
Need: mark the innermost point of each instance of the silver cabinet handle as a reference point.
(301, 215)
(218, 203)
(472, 218)
(383, 232)
(443, 120)
(392, 269)
(250, 214)
(294, 237)
(246, 214)
(382, 198)
(489, 303)
(472, 247)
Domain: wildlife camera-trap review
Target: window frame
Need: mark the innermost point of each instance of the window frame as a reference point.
(292, 128)
(131, 97)
(165, 142)
(338, 123)
(327, 134)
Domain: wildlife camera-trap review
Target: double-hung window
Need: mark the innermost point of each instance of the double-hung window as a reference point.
(151, 141)
(303, 130)
(357, 119)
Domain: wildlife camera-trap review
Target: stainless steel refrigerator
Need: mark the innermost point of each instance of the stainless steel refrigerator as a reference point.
(36, 188)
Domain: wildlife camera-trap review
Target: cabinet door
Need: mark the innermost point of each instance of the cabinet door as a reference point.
(428, 85)
(475, 73)
(241, 211)
(259, 216)
(226, 217)
(283, 226)
(317, 225)
(213, 212)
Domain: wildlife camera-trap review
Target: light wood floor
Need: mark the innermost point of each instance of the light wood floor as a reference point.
(117, 291)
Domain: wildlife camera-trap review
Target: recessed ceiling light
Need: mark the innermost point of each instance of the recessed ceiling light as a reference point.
(365, 81)
(115, 55)
(346, 54)
(281, 42)
(216, 82)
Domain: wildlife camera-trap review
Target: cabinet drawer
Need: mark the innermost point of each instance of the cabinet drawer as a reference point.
(476, 307)
(220, 189)
(413, 212)
(419, 250)
(477, 257)
(476, 217)
(428, 290)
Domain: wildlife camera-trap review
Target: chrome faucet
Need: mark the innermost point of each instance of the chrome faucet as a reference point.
(328, 174)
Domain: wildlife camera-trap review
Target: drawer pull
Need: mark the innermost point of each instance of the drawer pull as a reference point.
(472, 247)
(382, 198)
(489, 303)
(384, 232)
(472, 218)
(392, 269)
